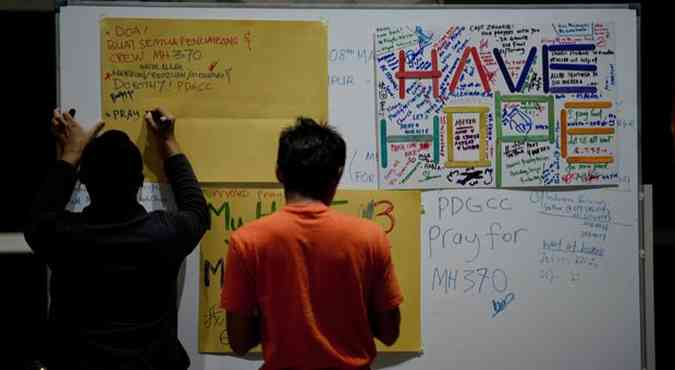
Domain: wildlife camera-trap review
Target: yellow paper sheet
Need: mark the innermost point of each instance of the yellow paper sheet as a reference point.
(233, 207)
(232, 85)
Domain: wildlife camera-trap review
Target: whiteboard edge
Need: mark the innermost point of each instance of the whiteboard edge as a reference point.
(648, 278)
(468, 6)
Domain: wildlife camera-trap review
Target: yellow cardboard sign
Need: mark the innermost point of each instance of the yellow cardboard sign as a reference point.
(232, 85)
(398, 212)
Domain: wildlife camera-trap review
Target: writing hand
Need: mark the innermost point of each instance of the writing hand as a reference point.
(71, 137)
(162, 125)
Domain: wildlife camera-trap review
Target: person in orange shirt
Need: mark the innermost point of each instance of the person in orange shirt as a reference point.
(314, 286)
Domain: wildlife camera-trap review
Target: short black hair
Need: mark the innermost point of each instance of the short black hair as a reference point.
(310, 158)
(112, 166)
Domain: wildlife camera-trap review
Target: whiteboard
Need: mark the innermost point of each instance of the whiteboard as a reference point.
(555, 282)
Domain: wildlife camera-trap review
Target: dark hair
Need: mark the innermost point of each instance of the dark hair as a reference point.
(310, 158)
(112, 167)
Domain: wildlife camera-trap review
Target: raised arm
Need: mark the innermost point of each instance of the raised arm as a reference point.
(193, 218)
(51, 199)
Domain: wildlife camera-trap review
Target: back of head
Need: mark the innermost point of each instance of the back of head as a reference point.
(311, 158)
(111, 168)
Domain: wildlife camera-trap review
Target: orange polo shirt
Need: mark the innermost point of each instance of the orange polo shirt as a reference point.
(314, 274)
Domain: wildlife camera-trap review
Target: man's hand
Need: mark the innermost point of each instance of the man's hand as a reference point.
(386, 325)
(162, 125)
(71, 137)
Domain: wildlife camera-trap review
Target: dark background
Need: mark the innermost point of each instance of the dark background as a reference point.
(28, 65)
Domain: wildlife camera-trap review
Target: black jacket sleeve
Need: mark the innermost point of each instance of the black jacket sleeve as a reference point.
(192, 218)
(48, 210)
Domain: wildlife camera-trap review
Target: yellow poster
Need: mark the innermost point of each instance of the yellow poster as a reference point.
(231, 84)
(398, 212)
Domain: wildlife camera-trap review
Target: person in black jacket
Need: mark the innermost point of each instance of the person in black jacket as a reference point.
(114, 266)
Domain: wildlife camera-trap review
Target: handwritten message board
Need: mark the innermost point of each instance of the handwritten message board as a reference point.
(397, 212)
(501, 265)
(232, 84)
(590, 322)
(496, 105)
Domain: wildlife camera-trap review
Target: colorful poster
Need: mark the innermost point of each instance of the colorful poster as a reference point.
(231, 84)
(397, 211)
(496, 105)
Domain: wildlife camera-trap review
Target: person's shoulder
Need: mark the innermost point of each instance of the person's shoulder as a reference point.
(261, 228)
